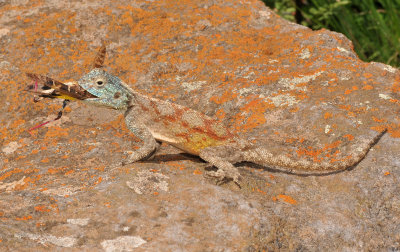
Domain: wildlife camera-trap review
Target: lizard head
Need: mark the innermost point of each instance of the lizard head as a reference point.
(109, 90)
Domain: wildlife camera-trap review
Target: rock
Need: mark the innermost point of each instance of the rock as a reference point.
(298, 92)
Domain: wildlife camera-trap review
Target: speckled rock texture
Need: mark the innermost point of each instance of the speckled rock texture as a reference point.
(280, 85)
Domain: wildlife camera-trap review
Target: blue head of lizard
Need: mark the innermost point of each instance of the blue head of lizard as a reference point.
(109, 89)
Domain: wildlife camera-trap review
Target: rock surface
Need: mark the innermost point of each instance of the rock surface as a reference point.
(281, 85)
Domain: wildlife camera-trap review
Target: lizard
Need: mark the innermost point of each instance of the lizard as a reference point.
(154, 120)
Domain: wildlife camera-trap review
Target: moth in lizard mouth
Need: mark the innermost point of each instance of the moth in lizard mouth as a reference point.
(46, 87)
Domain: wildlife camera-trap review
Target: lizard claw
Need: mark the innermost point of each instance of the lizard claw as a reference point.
(237, 179)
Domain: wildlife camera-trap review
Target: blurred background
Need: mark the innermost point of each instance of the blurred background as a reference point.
(372, 25)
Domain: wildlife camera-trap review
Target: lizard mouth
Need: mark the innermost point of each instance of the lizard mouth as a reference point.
(47, 87)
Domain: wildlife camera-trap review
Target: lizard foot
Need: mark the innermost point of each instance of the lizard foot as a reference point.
(221, 177)
(135, 156)
(132, 157)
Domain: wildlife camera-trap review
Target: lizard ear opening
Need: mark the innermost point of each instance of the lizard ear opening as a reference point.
(101, 55)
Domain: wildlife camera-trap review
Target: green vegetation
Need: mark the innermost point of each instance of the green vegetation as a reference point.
(372, 25)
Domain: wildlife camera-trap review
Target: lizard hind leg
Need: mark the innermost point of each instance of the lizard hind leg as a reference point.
(222, 157)
(153, 154)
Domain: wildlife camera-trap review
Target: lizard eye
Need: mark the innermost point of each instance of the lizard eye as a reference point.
(100, 82)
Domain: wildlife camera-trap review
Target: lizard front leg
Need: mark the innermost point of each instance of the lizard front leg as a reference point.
(222, 157)
(149, 145)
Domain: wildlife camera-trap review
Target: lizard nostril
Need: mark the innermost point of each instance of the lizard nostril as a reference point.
(99, 83)
(117, 95)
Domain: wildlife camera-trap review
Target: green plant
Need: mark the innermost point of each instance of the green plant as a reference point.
(285, 8)
(372, 25)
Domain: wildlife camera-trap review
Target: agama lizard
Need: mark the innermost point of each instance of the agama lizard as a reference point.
(154, 120)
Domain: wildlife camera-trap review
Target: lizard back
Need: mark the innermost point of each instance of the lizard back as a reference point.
(182, 127)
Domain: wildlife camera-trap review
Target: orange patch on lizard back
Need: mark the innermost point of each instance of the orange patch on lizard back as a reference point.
(197, 130)
(193, 119)
(165, 109)
(219, 129)
(170, 115)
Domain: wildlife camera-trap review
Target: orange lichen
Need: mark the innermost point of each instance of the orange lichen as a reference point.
(368, 75)
(309, 152)
(57, 170)
(40, 224)
(29, 180)
(316, 153)
(332, 145)
(9, 173)
(290, 140)
(177, 165)
(55, 132)
(261, 191)
(378, 120)
(256, 108)
(55, 207)
(287, 199)
(41, 208)
(327, 115)
(349, 137)
(24, 218)
(31, 170)
(379, 128)
(100, 168)
(20, 157)
(197, 172)
(99, 179)
(394, 130)
(351, 114)
(220, 114)
(367, 87)
(227, 96)
(353, 88)
(396, 86)
(17, 123)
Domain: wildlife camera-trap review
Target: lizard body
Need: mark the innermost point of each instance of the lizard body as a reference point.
(184, 128)
(152, 119)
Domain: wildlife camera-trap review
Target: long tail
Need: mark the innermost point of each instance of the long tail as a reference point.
(262, 156)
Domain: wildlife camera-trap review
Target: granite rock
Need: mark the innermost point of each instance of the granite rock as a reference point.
(280, 85)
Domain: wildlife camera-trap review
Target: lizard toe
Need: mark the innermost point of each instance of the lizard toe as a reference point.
(219, 174)
(237, 180)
